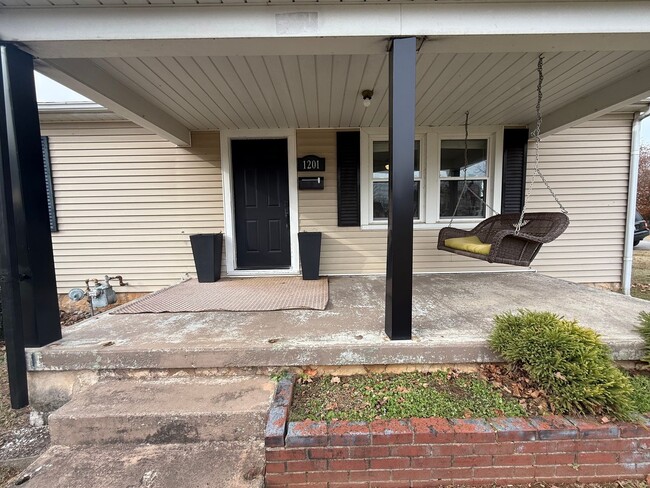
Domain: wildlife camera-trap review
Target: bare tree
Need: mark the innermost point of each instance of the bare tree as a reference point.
(643, 188)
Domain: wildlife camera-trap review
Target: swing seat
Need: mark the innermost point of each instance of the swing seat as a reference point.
(494, 239)
(470, 244)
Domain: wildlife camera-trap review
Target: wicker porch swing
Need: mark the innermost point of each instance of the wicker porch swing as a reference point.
(507, 238)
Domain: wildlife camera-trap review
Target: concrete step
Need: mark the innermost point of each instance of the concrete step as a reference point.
(165, 411)
(208, 465)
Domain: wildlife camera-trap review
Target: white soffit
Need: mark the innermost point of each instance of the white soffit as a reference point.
(249, 92)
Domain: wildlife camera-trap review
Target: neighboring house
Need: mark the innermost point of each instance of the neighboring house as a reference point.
(127, 199)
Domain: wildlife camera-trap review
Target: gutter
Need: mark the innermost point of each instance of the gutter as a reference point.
(47, 107)
(633, 180)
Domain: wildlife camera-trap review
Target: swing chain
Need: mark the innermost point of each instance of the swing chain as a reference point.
(466, 187)
(536, 135)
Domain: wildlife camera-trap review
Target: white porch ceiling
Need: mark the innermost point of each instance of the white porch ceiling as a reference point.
(246, 92)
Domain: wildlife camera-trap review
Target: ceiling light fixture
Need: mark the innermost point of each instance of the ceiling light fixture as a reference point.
(366, 95)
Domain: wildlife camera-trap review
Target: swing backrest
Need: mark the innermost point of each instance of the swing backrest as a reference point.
(545, 226)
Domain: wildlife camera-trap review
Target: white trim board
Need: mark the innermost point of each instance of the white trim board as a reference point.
(115, 31)
(228, 204)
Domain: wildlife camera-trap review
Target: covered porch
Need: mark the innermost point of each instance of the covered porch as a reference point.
(452, 318)
(202, 76)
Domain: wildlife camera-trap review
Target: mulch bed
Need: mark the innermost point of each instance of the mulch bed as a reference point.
(514, 382)
(71, 317)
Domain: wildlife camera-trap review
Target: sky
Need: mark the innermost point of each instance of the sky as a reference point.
(50, 91)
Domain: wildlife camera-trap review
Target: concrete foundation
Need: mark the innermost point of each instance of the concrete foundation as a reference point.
(452, 319)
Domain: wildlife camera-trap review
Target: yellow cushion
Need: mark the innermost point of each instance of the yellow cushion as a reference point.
(470, 244)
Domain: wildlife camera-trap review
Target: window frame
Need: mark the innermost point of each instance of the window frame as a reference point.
(430, 146)
(486, 178)
(371, 182)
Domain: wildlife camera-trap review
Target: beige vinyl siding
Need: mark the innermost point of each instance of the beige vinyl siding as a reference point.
(127, 201)
(586, 165)
(588, 168)
(351, 250)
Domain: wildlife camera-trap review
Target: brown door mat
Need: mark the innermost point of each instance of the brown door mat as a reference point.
(234, 295)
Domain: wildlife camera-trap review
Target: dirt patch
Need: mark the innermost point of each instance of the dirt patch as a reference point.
(9, 419)
(72, 312)
(69, 318)
(6, 475)
(17, 438)
(26, 442)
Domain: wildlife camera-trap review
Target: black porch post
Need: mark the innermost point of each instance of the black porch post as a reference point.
(29, 297)
(9, 286)
(401, 137)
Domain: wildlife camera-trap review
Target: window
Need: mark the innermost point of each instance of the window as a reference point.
(380, 166)
(453, 172)
(439, 172)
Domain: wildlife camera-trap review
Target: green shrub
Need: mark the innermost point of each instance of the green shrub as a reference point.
(644, 330)
(641, 393)
(569, 362)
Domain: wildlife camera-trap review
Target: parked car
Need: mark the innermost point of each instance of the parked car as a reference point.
(640, 229)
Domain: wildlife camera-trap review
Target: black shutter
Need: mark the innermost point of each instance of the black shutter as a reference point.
(49, 187)
(515, 148)
(348, 188)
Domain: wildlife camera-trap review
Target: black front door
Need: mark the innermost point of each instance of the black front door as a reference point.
(261, 180)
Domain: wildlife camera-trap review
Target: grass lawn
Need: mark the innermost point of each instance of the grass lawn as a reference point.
(387, 396)
(641, 274)
(495, 391)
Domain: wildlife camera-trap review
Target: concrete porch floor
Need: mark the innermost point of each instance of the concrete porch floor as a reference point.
(452, 317)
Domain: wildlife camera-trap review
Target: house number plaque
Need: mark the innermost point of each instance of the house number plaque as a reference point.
(311, 163)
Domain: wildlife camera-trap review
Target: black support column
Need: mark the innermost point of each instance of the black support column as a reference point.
(29, 296)
(399, 263)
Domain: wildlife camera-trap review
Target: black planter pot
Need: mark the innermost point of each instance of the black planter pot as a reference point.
(310, 254)
(207, 256)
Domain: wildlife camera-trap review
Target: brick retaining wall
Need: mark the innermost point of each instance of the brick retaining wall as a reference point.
(435, 451)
